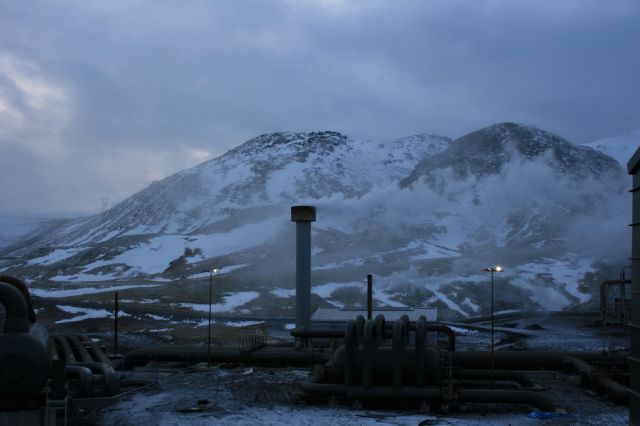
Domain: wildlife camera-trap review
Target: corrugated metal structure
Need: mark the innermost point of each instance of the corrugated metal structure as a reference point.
(634, 325)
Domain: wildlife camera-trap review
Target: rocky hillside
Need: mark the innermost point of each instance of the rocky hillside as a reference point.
(423, 213)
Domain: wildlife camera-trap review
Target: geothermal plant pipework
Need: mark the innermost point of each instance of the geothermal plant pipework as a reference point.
(29, 357)
(370, 368)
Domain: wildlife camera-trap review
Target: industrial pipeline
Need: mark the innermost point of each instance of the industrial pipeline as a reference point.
(27, 353)
(24, 355)
(371, 367)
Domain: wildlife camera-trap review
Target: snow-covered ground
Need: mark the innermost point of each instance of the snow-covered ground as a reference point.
(86, 313)
(221, 270)
(231, 301)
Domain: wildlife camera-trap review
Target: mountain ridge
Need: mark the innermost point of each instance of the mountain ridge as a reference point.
(531, 206)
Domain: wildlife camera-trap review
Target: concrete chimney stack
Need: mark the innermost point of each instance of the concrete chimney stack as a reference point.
(303, 216)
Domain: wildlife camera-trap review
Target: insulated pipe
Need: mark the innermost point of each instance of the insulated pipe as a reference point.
(398, 342)
(451, 336)
(69, 356)
(380, 321)
(578, 362)
(370, 343)
(84, 376)
(360, 327)
(508, 396)
(369, 296)
(309, 333)
(303, 216)
(420, 352)
(16, 309)
(98, 354)
(429, 394)
(22, 287)
(380, 329)
(25, 359)
(505, 375)
(405, 320)
(613, 389)
(111, 380)
(80, 349)
(350, 343)
(532, 360)
(190, 354)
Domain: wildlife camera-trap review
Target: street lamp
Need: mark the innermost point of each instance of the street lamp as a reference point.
(493, 270)
(213, 272)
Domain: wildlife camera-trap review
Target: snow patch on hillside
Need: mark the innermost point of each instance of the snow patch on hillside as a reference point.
(55, 256)
(621, 148)
(230, 302)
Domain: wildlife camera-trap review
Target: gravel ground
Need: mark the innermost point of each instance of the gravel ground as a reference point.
(251, 396)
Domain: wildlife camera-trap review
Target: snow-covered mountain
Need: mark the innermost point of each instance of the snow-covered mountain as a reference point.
(270, 170)
(620, 147)
(423, 213)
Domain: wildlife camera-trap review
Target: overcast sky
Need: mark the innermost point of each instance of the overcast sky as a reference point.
(99, 98)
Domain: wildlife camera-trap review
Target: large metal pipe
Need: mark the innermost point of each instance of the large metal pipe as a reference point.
(22, 287)
(16, 309)
(532, 360)
(303, 216)
(62, 341)
(369, 296)
(190, 354)
(24, 348)
(83, 376)
(97, 353)
(109, 376)
(507, 396)
(577, 362)
(429, 394)
(613, 389)
(339, 334)
(80, 349)
(504, 375)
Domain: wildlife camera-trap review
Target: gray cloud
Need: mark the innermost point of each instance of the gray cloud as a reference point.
(99, 98)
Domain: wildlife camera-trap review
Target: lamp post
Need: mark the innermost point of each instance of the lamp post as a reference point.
(493, 364)
(211, 274)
